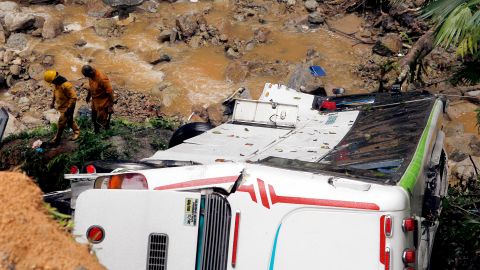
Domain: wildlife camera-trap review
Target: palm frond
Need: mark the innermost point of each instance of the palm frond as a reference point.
(439, 10)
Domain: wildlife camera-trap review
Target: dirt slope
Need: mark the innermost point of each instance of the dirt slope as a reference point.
(29, 238)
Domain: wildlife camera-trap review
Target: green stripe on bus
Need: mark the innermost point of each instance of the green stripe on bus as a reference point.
(409, 178)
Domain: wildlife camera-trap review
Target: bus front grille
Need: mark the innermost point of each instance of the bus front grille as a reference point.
(157, 251)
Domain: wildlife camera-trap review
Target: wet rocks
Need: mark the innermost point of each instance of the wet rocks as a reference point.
(119, 3)
(19, 21)
(232, 53)
(149, 6)
(80, 43)
(156, 57)
(107, 28)
(388, 45)
(216, 114)
(166, 35)
(188, 24)
(15, 70)
(17, 41)
(316, 18)
(48, 60)
(311, 5)
(2, 35)
(98, 9)
(52, 27)
(35, 71)
(51, 116)
(262, 35)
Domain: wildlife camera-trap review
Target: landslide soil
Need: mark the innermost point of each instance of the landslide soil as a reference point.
(29, 237)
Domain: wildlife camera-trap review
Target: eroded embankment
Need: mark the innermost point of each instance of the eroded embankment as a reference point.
(29, 237)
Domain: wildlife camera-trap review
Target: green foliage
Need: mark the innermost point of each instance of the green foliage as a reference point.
(64, 220)
(468, 73)
(457, 243)
(458, 24)
(164, 123)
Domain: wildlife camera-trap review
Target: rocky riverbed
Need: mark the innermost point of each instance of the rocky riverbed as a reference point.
(182, 59)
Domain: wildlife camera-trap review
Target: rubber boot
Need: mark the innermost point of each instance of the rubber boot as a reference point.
(58, 137)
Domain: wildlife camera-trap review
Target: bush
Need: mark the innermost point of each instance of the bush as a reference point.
(457, 243)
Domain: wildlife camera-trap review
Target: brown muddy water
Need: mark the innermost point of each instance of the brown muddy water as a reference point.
(196, 76)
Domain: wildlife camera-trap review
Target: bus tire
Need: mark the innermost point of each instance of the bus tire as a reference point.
(188, 131)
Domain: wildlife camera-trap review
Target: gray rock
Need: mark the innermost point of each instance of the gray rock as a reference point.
(465, 170)
(149, 6)
(39, 21)
(13, 126)
(48, 60)
(17, 41)
(262, 34)
(60, 7)
(2, 35)
(474, 145)
(311, 5)
(17, 61)
(156, 57)
(80, 43)
(15, 70)
(37, 32)
(51, 116)
(165, 35)
(457, 156)
(125, 3)
(316, 18)
(188, 24)
(303, 80)
(24, 101)
(98, 9)
(388, 45)
(8, 56)
(471, 93)
(195, 42)
(35, 71)
(250, 46)
(31, 121)
(223, 38)
(231, 53)
(9, 6)
(291, 2)
(19, 21)
(103, 27)
(52, 28)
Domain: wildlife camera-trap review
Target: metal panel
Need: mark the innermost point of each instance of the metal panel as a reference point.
(216, 233)
(265, 113)
(157, 251)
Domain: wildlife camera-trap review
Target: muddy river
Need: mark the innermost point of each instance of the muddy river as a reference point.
(197, 76)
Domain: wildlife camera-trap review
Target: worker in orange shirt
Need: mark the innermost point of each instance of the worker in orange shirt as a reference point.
(101, 93)
(64, 98)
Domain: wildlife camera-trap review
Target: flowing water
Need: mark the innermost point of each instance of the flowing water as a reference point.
(196, 76)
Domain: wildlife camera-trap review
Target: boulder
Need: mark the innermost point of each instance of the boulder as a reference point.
(262, 34)
(98, 9)
(123, 3)
(459, 143)
(388, 45)
(311, 5)
(149, 6)
(31, 121)
(39, 21)
(465, 170)
(8, 56)
(474, 145)
(232, 54)
(2, 35)
(52, 27)
(216, 114)
(48, 60)
(156, 57)
(51, 116)
(236, 72)
(19, 21)
(165, 35)
(104, 27)
(301, 79)
(80, 43)
(35, 71)
(9, 6)
(15, 70)
(17, 41)
(195, 42)
(13, 126)
(223, 38)
(188, 24)
(453, 129)
(316, 18)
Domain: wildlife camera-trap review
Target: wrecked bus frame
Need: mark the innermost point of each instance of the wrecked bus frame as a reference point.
(283, 185)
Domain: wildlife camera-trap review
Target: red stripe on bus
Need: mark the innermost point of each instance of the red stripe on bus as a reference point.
(382, 239)
(200, 182)
(250, 189)
(320, 202)
(263, 193)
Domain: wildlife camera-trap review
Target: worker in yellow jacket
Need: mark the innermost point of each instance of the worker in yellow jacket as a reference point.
(64, 99)
(101, 92)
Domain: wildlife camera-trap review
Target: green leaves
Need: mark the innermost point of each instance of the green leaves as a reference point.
(457, 22)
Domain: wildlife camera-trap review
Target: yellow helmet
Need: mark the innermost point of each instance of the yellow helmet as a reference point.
(50, 75)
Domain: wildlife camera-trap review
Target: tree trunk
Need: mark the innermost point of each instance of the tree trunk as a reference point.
(419, 50)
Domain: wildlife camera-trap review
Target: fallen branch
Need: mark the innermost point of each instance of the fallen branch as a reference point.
(420, 49)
